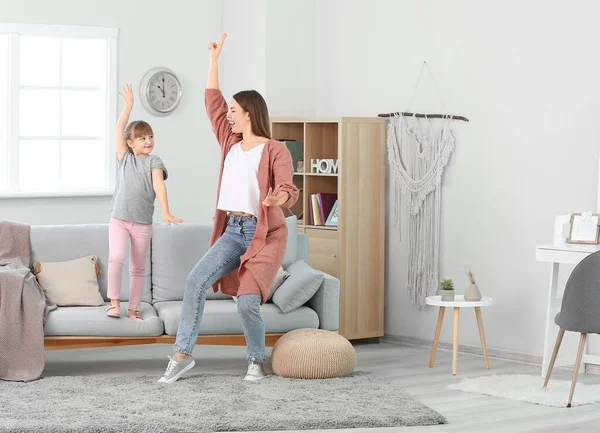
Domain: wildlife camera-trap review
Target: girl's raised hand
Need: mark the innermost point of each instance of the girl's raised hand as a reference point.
(215, 48)
(127, 95)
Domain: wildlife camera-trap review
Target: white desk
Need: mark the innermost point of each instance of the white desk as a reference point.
(556, 254)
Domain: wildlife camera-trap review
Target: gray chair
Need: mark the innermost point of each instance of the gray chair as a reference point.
(579, 311)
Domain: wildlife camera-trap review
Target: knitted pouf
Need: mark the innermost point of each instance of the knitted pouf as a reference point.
(313, 354)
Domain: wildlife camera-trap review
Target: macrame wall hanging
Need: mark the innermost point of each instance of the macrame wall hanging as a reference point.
(419, 149)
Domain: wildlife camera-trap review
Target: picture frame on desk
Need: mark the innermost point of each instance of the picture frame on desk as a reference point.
(584, 228)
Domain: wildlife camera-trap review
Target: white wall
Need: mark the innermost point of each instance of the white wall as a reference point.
(151, 33)
(244, 54)
(271, 48)
(526, 75)
(291, 53)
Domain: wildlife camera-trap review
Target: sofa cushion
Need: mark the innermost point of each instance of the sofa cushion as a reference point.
(93, 321)
(221, 317)
(175, 252)
(55, 243)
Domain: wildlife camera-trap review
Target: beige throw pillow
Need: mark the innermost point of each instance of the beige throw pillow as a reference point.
(70, 283)
(278, 281)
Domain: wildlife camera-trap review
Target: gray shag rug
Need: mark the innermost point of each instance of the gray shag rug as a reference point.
(206, 403)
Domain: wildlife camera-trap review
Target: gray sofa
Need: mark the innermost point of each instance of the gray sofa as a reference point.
(174, 252)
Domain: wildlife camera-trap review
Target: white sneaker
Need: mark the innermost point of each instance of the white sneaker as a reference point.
(176, 369)
(255, 372)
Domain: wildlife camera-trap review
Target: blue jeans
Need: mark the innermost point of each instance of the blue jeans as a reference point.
(222, 258)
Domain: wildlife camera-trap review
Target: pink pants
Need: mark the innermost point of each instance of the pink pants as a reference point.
(118, 233)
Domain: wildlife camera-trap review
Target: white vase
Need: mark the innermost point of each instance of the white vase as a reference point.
(472, 294)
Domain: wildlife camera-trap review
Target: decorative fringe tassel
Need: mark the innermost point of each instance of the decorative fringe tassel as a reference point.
(417, 164)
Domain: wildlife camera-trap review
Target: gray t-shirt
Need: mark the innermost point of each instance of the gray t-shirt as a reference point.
(133, 199)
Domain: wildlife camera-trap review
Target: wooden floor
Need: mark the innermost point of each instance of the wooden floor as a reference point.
(404, 366)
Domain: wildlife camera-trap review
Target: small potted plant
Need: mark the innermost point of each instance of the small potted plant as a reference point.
(447, 290)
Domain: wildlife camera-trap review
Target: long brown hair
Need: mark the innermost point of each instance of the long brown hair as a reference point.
(137, 128)
(253, 102)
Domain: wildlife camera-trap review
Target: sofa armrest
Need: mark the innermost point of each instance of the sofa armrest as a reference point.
(326, 303)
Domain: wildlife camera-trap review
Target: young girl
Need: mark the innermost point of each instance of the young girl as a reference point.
(250, 232)
(140, 178)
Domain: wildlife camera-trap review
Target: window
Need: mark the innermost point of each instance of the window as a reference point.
(57, 109)
(3, 112)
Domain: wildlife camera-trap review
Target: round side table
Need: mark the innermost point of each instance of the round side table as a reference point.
(458, 303)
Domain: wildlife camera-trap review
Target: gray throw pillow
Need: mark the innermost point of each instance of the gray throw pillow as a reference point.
(302, 283)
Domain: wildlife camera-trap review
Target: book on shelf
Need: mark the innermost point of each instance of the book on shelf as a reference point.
(320, 206)
(316, 210)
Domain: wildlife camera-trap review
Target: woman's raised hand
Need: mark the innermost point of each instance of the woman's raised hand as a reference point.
(215, 48)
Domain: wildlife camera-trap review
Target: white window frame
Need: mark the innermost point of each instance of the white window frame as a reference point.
(14, 31)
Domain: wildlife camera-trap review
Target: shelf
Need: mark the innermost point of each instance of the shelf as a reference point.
(316, 174)
(321, 227)
(356, 145)
(322, 174)
(307, 119)
(327, 119)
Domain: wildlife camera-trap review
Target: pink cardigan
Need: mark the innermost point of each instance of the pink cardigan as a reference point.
(260, 263)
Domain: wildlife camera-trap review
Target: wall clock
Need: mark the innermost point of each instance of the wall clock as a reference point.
(160, 91)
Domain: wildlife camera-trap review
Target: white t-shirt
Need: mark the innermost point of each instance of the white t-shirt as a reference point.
(239, 184)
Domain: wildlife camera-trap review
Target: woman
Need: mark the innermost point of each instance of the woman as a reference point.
(250, 233)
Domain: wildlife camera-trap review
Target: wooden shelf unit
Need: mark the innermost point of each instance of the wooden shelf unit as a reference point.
(354, 251)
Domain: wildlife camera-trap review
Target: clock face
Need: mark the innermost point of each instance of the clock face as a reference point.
(164, 92)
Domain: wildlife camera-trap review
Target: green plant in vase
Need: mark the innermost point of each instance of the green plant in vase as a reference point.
(447, 290)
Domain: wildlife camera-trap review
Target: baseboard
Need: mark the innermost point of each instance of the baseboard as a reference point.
(472, 350)
(475, 350)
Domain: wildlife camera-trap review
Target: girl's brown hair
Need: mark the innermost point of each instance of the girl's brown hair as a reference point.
(135, 129)
(253, 102)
